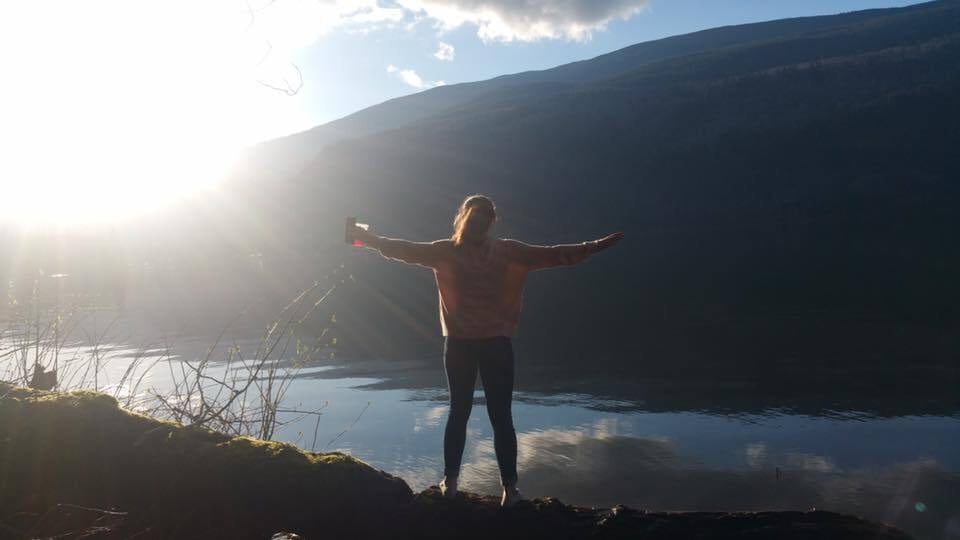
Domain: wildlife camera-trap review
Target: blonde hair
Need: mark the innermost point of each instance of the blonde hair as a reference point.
(473, 220)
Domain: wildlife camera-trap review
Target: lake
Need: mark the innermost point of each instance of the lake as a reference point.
(890, 455)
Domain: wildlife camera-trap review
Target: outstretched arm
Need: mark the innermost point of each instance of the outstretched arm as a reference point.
(539, 257)
(420, 253)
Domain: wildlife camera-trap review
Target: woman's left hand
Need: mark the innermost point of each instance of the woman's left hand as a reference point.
(610, 240)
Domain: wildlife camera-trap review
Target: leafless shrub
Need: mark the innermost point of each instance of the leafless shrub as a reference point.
(237, 394)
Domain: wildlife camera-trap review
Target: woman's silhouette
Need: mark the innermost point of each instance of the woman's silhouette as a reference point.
(480, 280)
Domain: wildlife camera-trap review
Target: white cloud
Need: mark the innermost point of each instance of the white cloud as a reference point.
(445, 51)
(295, 24)
(526, 20)
(412, 78)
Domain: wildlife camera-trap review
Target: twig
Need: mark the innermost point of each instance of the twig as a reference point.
(355, 420)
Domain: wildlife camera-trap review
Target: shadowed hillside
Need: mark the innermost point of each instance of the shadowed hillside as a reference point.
(787, 189)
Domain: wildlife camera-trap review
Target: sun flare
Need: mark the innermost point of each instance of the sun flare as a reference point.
(116, 109)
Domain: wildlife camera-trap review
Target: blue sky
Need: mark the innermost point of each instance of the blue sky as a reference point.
(345, 71)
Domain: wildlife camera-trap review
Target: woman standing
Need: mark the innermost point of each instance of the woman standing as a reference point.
(480, 280)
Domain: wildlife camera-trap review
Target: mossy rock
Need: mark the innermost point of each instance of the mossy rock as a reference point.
(81, 448)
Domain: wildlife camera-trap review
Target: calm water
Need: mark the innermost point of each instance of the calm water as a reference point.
(901, 470)
(654, 449)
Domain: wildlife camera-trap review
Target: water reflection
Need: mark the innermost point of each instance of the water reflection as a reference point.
(859, 398)
(594, 466)
(886, 454)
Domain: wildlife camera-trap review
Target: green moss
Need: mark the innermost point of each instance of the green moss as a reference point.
(82, 448)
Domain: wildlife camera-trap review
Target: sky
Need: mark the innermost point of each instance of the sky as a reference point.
(113, 106)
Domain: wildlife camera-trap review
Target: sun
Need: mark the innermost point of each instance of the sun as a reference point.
(114, 109)
(109, 170)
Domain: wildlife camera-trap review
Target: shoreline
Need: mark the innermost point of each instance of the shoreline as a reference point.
(77, 461)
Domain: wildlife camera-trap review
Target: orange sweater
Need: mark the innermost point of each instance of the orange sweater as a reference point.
(481, 287)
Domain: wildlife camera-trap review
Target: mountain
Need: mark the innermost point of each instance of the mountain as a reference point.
(409, 109)
(789, 190)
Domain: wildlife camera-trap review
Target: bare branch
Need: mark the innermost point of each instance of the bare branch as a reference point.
(288, 89)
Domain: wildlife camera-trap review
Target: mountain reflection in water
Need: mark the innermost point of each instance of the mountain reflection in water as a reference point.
(881, 449)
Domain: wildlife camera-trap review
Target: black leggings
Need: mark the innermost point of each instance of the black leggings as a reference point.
(494, 358)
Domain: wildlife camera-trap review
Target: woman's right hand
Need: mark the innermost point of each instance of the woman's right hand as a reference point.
(364, 235)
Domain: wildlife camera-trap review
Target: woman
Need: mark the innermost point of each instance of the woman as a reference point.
(480, 280)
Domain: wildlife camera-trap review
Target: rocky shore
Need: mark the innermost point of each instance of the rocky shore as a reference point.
(75, 465)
